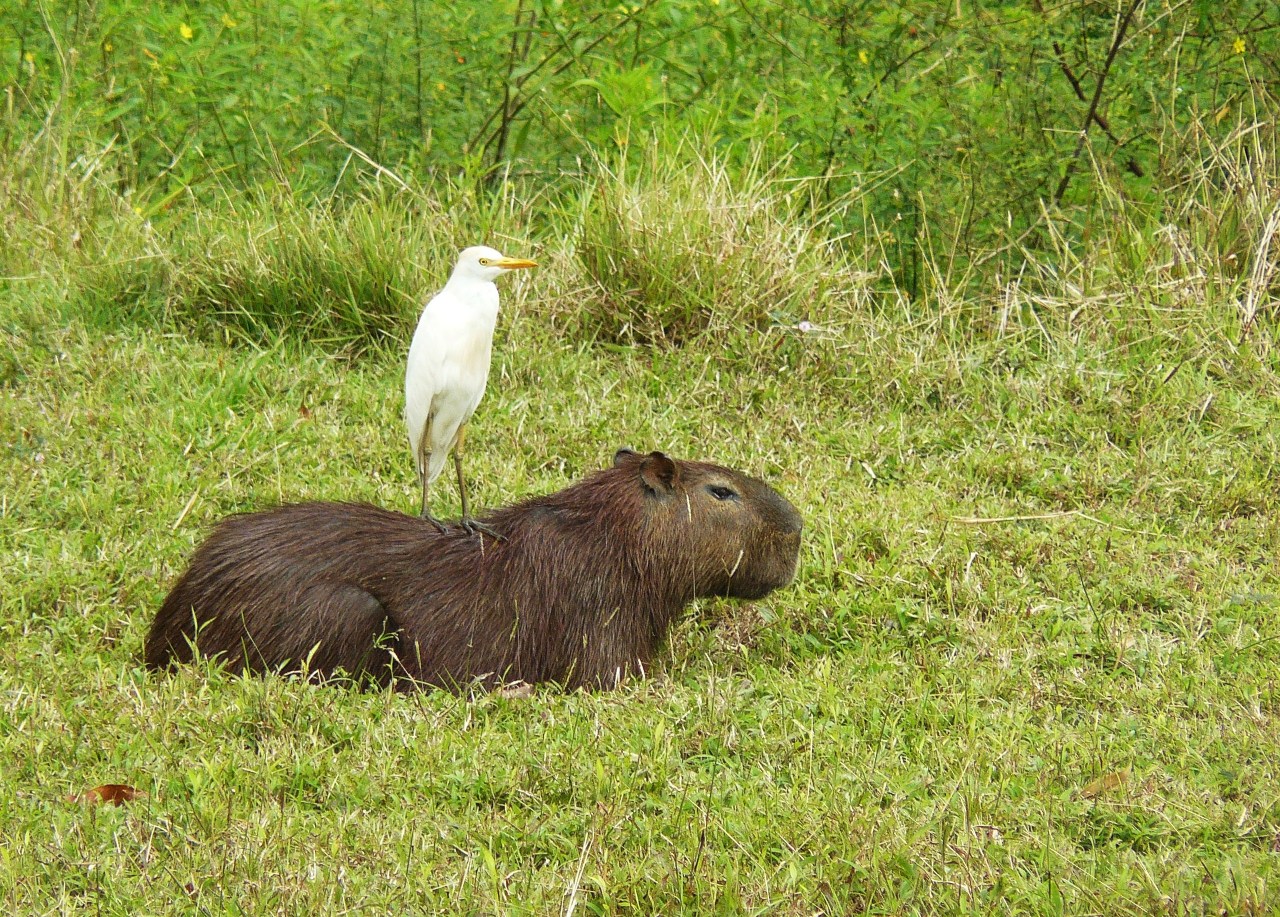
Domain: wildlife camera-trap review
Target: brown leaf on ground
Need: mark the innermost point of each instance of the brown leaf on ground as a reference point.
(115, 793)
(1105, 783)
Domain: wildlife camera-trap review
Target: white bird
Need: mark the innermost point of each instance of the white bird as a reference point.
(449, 367)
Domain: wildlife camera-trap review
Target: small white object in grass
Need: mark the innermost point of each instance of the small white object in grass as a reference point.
(449, 365)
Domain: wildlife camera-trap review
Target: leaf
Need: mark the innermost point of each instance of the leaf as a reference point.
(115, 793)
(1104, 784)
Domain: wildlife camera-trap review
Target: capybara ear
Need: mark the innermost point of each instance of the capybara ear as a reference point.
(658, 473)
(622, 455)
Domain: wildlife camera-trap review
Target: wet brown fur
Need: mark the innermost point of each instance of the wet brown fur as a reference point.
(581, 592)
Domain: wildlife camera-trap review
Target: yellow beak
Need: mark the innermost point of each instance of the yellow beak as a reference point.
(514, 264)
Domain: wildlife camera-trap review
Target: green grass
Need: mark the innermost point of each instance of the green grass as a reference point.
(1029, 664)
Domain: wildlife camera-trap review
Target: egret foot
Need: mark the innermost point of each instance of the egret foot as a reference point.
(440, 526)
(474, 527)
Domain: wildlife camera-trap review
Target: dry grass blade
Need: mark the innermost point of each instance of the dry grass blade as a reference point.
(1105, 784)
(1262, 272)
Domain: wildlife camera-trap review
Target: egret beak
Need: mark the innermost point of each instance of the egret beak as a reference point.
(514, 264)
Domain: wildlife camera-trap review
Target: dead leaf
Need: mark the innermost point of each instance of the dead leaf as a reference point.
(304, 412)
(1105, 783)
(516, 689)
(115, 793)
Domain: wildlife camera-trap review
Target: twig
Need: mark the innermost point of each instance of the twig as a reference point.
(365, 158)
(577, 876)
(533, 71)
(417, 54)
(499, 139)
(984, 520)
(1097, 99)
(521, 99)
(1132, 165)
(981, 520)
(1098, 118)
(186, 509)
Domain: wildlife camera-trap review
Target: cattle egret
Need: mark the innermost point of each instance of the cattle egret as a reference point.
(449, 367)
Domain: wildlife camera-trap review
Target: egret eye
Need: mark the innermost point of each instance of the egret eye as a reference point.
(484, 261)
(720, 492)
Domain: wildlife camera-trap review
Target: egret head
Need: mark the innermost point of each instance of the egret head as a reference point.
(479, 262)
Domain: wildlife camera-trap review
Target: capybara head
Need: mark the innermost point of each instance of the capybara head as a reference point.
(580, 590)
(740, 536)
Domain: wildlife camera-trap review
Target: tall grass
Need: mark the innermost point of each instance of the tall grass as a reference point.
(664, 245)
(678, 245)
(1208, 249)
(343, 275)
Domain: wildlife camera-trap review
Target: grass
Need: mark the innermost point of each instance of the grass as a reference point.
(1029, 664)
(735, 248)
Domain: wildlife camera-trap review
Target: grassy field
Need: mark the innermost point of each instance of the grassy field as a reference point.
(1030, 663)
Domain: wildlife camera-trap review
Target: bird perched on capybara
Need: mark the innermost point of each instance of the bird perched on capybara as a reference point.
(449, 366)
(581, 590)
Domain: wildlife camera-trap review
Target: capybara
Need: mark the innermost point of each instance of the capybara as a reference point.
(580, 590)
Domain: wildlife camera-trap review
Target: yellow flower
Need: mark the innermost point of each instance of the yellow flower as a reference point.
(1238, 46)
(29, 58)
(108, 47)
(862, 57)
(440, 87)
(185, 31)
(228, 21)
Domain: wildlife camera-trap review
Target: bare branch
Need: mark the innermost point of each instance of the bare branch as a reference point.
(1092, 115)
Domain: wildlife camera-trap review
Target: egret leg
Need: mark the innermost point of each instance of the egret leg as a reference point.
(424, 465)
(471, 525)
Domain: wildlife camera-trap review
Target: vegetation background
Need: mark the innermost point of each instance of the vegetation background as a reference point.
(987, 289)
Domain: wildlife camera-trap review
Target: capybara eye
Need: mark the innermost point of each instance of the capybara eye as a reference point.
(720, 492)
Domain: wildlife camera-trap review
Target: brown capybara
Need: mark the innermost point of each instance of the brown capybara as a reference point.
(581, 589)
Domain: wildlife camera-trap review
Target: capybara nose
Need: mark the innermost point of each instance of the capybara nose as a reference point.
(789, 518)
